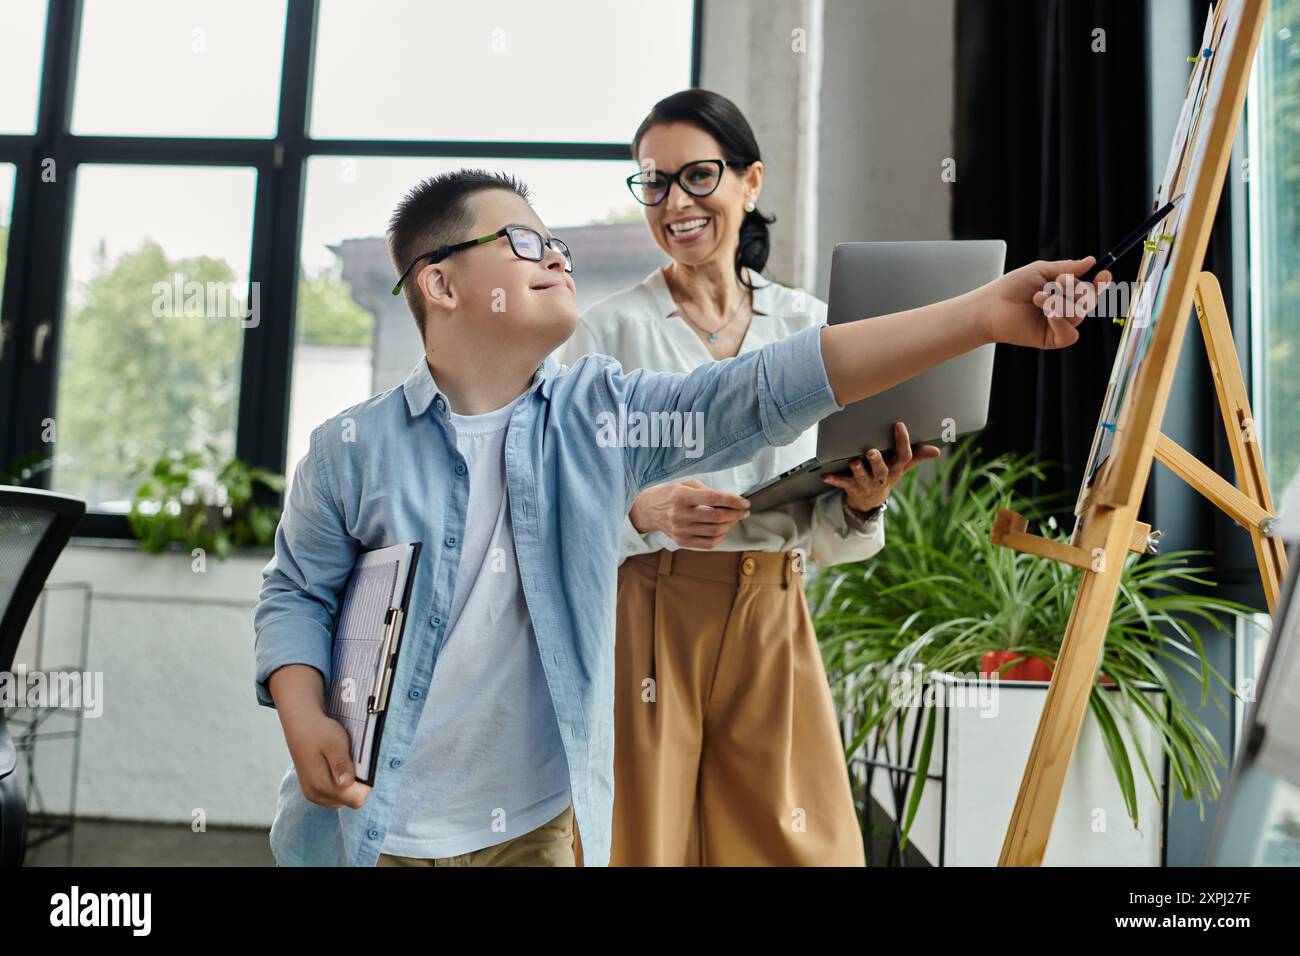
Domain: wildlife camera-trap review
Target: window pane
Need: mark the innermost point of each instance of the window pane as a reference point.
(179, 67)
(518, 70)
(22, 43)
(6, 215)
(355, 339)
(156, 303)
(1275, 240)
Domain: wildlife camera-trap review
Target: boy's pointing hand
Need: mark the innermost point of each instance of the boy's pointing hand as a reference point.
(1041, 304)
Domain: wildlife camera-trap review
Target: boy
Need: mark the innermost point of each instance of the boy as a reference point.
(500, 724)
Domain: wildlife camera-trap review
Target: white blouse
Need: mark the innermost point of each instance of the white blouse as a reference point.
(640, 329)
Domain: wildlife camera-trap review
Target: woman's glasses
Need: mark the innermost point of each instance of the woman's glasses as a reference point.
(524, 242)
(698, 178)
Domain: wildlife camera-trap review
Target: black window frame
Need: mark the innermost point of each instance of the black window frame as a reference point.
(35, 277)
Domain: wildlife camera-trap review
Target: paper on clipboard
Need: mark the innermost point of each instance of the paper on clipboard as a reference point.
(367, 638)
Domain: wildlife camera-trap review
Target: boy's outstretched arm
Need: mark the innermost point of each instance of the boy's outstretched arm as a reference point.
(770, 396)
(1019, 308)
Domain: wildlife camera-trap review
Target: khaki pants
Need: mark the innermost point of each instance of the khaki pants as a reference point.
(727, 751)
(551, 844)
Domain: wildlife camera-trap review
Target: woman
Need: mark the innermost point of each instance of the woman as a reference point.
(726, 746)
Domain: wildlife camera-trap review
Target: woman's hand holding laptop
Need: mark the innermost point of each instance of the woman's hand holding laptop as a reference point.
(870, 478)
(697, 516)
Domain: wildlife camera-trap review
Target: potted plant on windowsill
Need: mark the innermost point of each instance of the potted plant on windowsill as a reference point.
(199, 499)
(941, 598)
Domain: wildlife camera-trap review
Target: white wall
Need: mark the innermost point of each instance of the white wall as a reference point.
(886, 124)
(853, 131)
(748, 57)
(180, 728)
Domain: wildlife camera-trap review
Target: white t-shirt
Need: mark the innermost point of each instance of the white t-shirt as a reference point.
(487, 763)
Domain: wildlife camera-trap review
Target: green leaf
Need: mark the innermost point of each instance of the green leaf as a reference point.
(919, 778)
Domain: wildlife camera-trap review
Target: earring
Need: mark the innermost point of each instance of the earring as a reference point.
(749, 207)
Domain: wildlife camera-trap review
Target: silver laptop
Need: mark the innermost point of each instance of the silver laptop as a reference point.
(879, 278)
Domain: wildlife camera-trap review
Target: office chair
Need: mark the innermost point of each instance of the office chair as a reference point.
(35, 526)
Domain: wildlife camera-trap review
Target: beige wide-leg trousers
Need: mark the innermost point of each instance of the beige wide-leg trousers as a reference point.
(726, 751)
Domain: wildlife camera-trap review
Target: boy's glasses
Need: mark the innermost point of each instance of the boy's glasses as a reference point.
(524, 242)
(698, 178)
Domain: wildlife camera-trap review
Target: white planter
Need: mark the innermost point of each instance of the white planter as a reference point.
(983, 734)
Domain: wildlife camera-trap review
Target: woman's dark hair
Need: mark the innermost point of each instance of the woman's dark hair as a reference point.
(721, 119)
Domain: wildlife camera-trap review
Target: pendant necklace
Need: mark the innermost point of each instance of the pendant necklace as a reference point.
(712, 336)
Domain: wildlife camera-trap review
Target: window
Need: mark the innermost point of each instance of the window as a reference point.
(1274, 189)
(156, 304)
(501, 70)
(233, 291)
(1273, 130)
(221, 62)
(1280, 817)
(355, 339)
(22, 40)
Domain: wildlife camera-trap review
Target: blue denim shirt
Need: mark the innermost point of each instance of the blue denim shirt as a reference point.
(387, 471)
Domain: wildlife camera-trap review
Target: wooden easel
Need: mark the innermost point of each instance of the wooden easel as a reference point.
(1250, 506)
(1108, 527)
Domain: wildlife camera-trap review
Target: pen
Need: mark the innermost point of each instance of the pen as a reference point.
(1132, 239)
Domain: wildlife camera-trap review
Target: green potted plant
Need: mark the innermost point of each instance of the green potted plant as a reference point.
(197, 498)
(941, 598)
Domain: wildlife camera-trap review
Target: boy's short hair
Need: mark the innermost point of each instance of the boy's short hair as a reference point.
(434, 213)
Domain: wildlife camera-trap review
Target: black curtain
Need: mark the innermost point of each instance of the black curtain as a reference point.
(1052, 148)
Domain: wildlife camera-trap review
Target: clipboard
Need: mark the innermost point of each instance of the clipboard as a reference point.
(367, 638)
